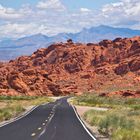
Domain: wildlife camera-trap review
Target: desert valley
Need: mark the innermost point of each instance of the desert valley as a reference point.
(70, 70)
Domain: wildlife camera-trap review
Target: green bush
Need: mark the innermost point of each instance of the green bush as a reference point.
(18, 97)
(125, 134)
(111, 123)
(5, 114)
(10, 111)
(115, 123)
(93, 117)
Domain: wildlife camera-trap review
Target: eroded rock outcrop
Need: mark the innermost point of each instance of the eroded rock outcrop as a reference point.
(127, 93)
(65, 68)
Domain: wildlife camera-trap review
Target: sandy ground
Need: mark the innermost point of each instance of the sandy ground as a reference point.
(81, 110)
(56, 98)
(2, 105)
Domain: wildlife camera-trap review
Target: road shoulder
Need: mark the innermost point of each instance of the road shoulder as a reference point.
(81, 110)
(27, 111)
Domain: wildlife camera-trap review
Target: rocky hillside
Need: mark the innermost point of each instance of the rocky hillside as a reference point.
(66, 68)
(11, 48)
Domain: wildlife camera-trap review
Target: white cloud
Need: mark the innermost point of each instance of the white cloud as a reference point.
(123, 13)
(85, 10)
(51, 17)
(8, 13)
(51, 4)
(16, 30)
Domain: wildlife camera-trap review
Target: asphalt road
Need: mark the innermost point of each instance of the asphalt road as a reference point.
(53, 121)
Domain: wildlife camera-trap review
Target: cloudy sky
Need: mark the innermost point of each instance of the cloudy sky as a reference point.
(19, 18)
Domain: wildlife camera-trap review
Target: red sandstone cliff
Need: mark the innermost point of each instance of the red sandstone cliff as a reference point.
(66, 68)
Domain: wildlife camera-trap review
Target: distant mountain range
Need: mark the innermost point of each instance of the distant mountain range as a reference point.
(10, 49)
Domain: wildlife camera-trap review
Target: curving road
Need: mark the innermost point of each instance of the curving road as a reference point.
(53, 121)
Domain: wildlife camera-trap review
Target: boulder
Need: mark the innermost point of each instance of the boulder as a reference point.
(122, 69)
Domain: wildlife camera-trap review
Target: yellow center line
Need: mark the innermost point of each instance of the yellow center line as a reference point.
(43, 123)
(39, 128)
(33, 134)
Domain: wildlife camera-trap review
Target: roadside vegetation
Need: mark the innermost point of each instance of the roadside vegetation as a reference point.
(120, 122)
(11, 106)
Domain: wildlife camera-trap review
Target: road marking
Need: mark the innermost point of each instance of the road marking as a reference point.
(33, 134)
(43, 123)
(39, 128)
(83, 124)
(42, 133)
(44, 130)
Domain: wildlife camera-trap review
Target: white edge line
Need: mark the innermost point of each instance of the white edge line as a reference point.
(20, 117)
(83, 124)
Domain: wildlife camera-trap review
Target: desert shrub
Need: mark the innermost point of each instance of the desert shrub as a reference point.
(120, 122)
(95, 100)
(134, 113)
(14, 105)
(19, 109)
(5, 114)
(10, 111)
(111, 123)
(125, 134)
(93, 117)
(17, 97)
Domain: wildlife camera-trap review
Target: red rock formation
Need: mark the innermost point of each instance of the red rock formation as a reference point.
(65, 68)
(127, 93)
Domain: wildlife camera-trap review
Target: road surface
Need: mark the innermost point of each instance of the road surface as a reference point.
(53, 121)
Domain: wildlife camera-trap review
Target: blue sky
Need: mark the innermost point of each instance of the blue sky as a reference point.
(19, 18)
(92, 4)
(72, 4)
(17, 3)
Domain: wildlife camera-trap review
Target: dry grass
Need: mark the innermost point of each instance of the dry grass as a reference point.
(120, 122)
(11, 106)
